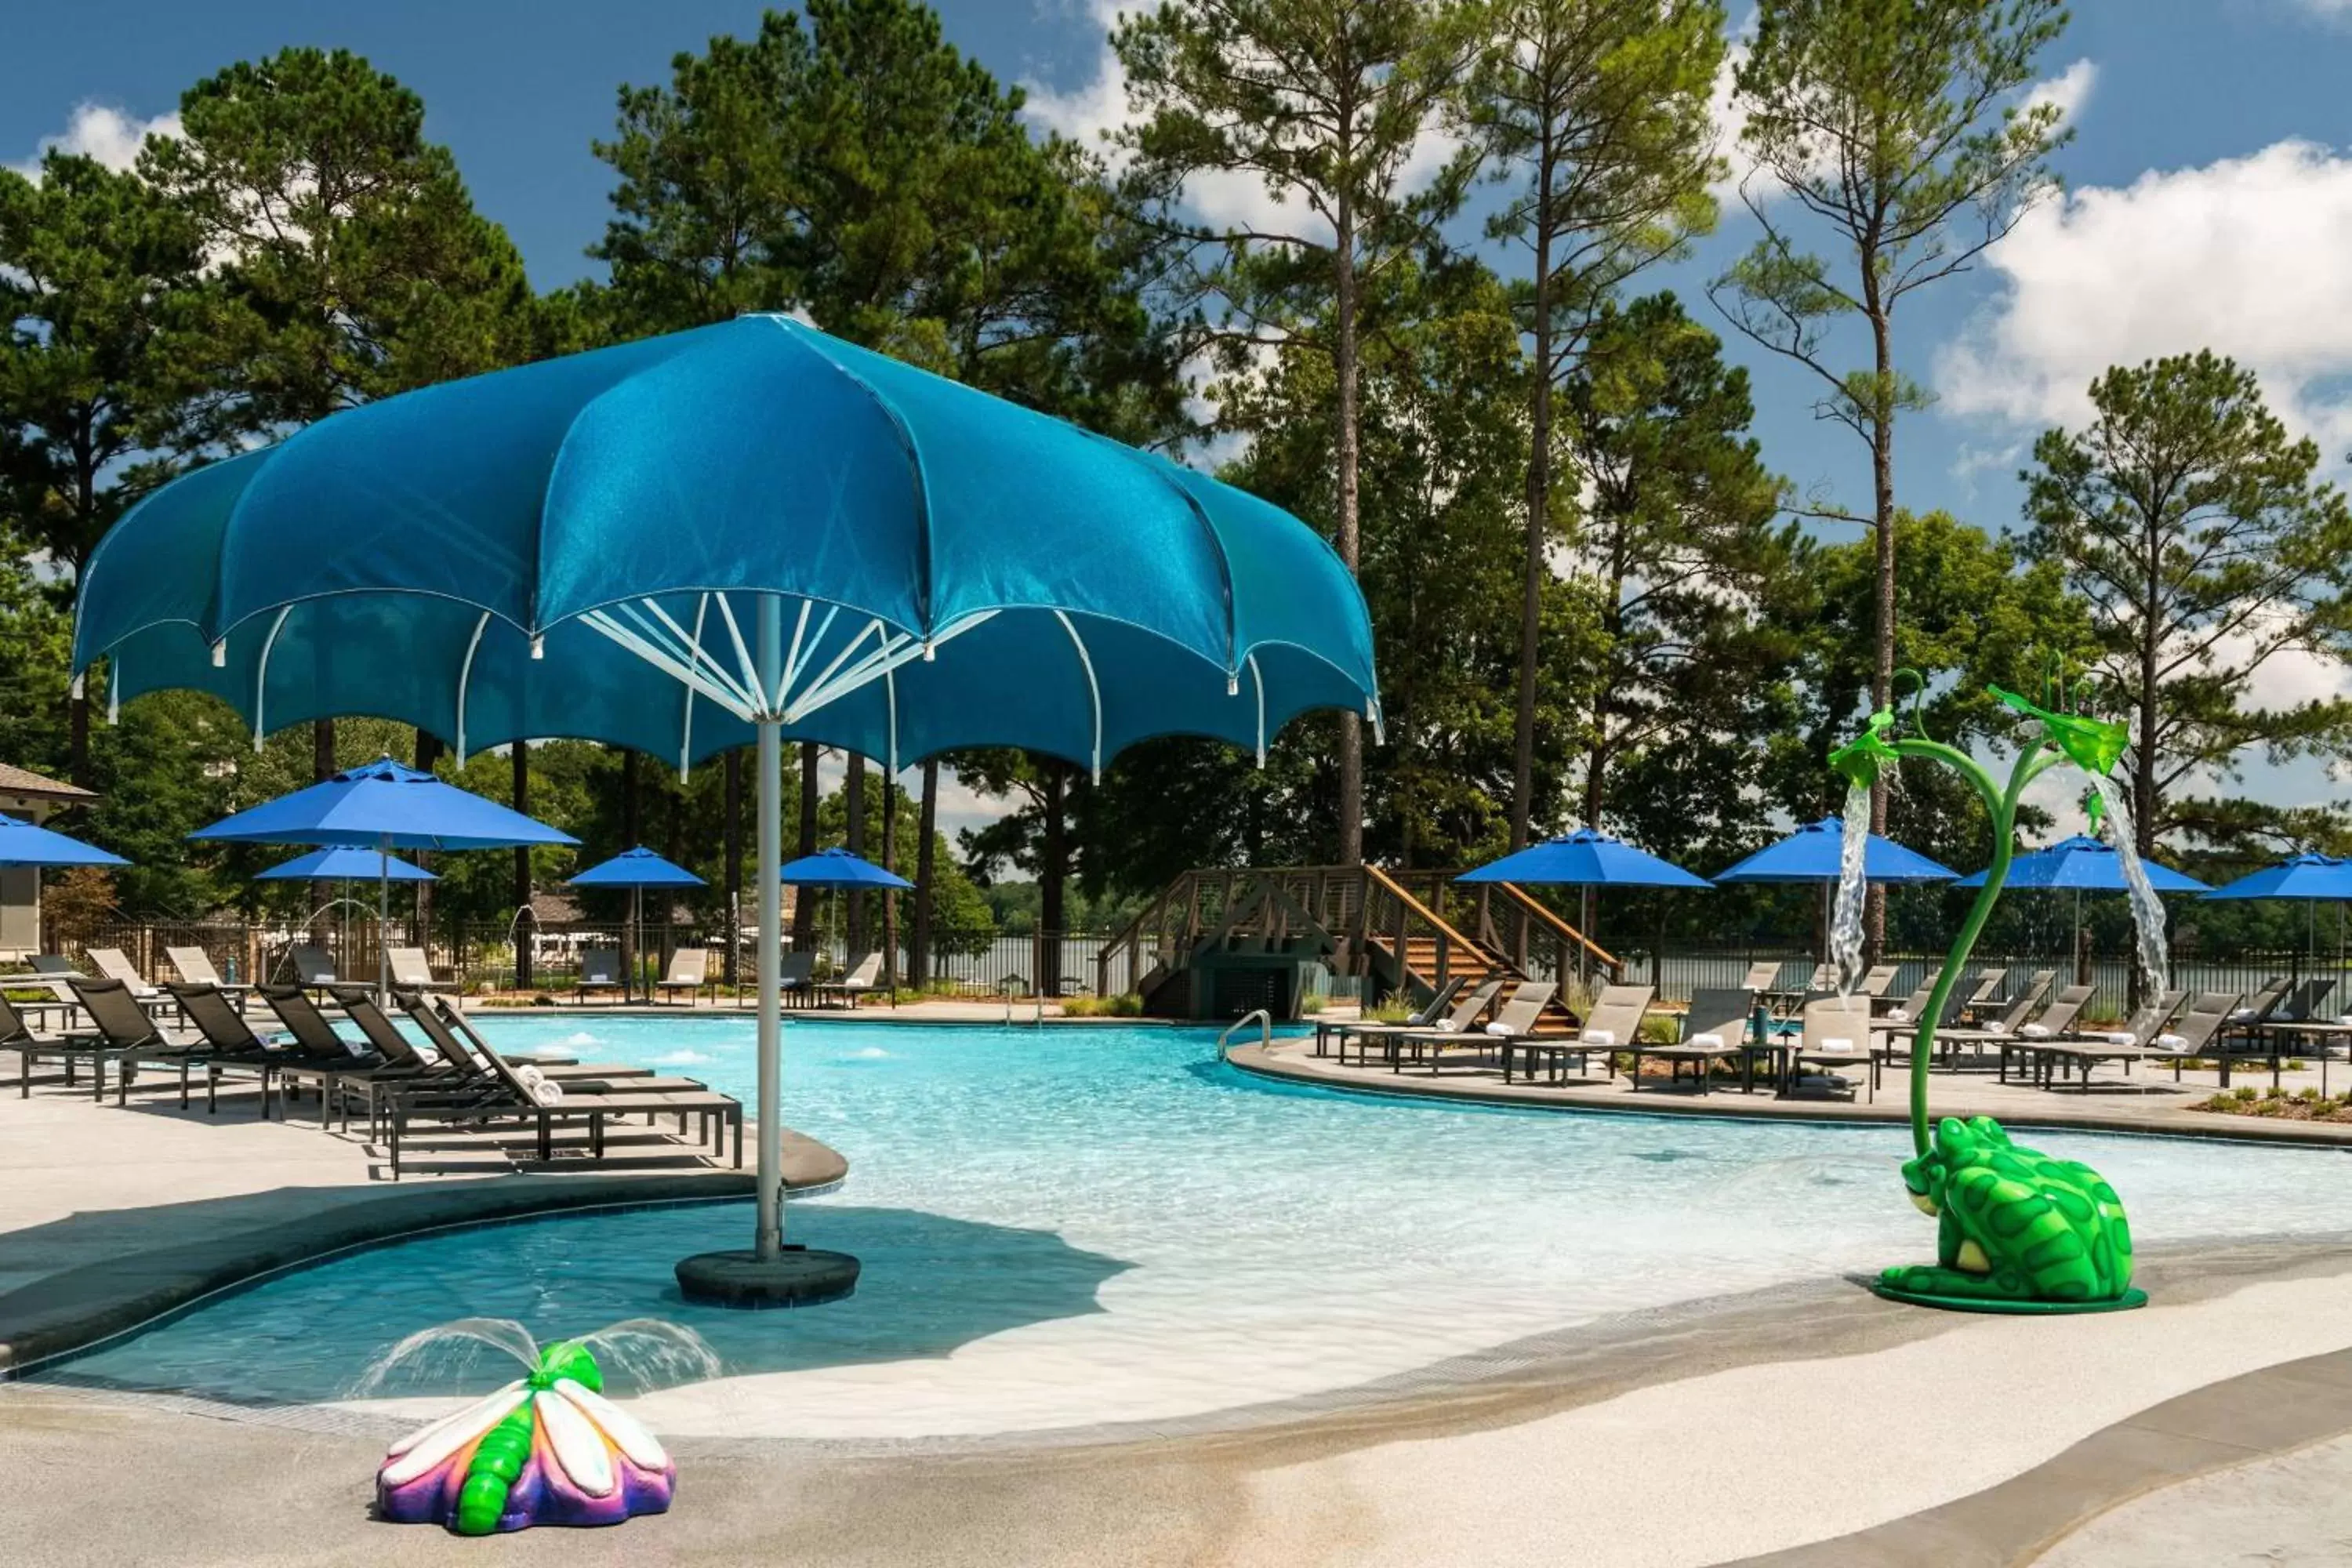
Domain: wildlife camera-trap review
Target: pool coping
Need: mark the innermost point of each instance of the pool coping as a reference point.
(76, 1311)
(1258, 1062)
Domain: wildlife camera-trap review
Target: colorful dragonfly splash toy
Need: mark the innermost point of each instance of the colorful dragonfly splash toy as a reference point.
(549, 1448)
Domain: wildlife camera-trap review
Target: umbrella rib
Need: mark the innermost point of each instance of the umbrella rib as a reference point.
(817, 695)
(686, 738)
(681, 646)
(793, 669)
(1257, 679)
(261, 673)
(465, 677)
(661, 659)
(1094, 689)
(751, 681)
(792, 655)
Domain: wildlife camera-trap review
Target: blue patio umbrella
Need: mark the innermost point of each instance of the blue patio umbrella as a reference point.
(384, 806)
(28, 843)
(2312, 877)
(836, 867)
(636, 870)
(2083, 865)
(345, 865)
(24, 843)
(1586, 860)
(1815, 852)
(749, 531)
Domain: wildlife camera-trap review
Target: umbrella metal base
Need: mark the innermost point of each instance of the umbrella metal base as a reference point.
(803, 1276)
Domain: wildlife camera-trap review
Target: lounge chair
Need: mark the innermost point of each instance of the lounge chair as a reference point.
(314, 966)
(458, 1041)
(467, 1072)
(129, 1037)
(2208, 1014)
(861, 978)
(542, 1102)
(689, 971)
(1908, 1011)
(2053, 1022)
(18, 1035)
(1714, 1029)
(413, 971)
(1835, 1035)
(1874, 984)
(230, 1042)
(600, 970)
(2253, 1029)
(1512, 1025)
(113, 964)
(1981, 998)
(2015, 1012)
(193, 965)
(1462, 1016)
(1426, 1016)
(795, 974)
(1613, 1025)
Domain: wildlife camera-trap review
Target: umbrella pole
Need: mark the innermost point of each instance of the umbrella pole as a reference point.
(382, 924)
(769, 1243)
(771, 1273)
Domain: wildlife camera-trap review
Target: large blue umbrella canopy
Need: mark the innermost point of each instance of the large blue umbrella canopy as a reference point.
(383, 806)
(1813, 854)
(24, 843)
(345, 865)
(2319, 877)
(751, 528)
(1585, 858)
(637, 868)
(837, 868)
(2086, 864)
(582, 547)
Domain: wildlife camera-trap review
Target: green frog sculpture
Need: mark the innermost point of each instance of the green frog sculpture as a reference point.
(2017, 1230)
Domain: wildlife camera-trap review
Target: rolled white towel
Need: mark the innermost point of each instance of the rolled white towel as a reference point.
(2172, 1042)
(1447, 1026)
(1708, 1042)
(2033, 1032)
(1835, 1045)
(2115, 1037)
(1597, 1038)
(532, 1077)
(547, 1092)
(2245, 1015)
(1900, 1016)
(1996, 1028)
(2345, 1019)
(1501, 1030)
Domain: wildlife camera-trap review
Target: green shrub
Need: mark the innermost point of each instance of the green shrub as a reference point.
(1312, 1003)
(1394, 1010)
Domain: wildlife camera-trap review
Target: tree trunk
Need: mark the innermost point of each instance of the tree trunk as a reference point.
(526, 932)
(1523, 757)
(631, 830)
(2144, 823)
(889, 896)
(1881, 679)
(77, 735)
(1053, 869)
(1351, 723)
(803, 903)
(732, 809)
(919, 957)
(853, 800)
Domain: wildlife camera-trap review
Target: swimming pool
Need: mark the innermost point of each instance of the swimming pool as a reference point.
(1069, 1226)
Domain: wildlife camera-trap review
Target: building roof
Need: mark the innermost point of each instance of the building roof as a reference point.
(30, 786)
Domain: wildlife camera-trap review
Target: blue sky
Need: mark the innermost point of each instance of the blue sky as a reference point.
(2209, 201)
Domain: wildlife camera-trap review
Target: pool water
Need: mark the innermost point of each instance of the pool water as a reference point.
(1061, 1227)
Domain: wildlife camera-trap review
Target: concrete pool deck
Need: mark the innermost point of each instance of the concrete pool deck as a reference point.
(1812, 1421)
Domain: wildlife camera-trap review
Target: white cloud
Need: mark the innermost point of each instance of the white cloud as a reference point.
(2069, 90)
(2328, 8)
(104, 132)
(1723, 107)
(1099, 107)
(2243, 257)
(1973, 459)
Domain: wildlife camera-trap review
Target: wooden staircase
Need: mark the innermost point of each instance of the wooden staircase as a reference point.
(1404, 932)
